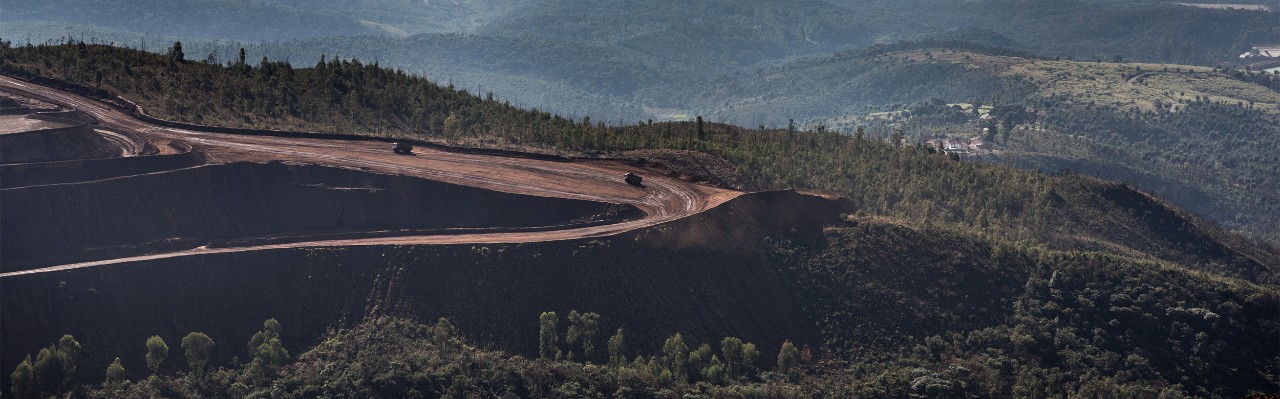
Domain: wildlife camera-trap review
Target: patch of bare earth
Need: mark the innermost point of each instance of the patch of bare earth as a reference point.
(963, 57)
(690, 165)
(20, 123)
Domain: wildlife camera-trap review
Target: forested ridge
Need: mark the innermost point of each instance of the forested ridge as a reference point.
(616, 58)
(1107, 99)
(1202, 137)
(881, 175)
(953, 315)
(954, 279)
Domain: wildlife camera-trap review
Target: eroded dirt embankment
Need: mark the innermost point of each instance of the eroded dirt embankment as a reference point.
(209, 205)
(62, 172)
(69, 139)
(706, 276)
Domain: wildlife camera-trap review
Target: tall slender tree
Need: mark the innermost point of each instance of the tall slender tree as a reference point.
(589, 329)
(115, 373)
(157, 351)
(675, 358)
(788, 358)
(197, 347)
(548, 339)
(617, 349)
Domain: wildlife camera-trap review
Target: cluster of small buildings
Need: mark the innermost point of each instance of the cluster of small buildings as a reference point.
(959, 147)
(1263, 51)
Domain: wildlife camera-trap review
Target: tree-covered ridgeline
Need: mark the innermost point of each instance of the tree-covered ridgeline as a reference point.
(953, 314)
(1201, 137)
(270, 371)
(54, 372)
(884, 178)
(903, 311)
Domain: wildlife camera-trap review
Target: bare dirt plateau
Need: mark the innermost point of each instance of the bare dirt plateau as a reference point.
(46, 138)
(21, 123)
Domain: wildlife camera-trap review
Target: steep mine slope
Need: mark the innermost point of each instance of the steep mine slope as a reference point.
(705, 276)
(660, 198)
(702, 261)
(45, 138)
(225, 205)
(567, 234)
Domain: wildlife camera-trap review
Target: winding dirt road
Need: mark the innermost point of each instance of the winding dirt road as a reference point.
(662, 199)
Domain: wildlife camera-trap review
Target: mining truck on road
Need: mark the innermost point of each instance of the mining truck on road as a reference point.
(632, 179)
(402, 148)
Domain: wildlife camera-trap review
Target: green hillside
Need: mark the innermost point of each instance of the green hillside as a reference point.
(948, 315)
(1116, 233)
(631, 59)
(711, 34)
(952, 279)
(913, 183)
(1199, 136)
(570, 77)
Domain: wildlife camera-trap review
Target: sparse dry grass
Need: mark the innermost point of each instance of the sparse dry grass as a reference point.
(1139, 86)
(1122, 85)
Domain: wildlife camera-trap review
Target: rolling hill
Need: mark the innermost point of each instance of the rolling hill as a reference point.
(1116, 236)
(1198, 136)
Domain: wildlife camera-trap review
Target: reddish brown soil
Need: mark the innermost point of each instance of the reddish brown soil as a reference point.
(222, 205)
(21, 123)
(27, 139)
(662, 198)
(705, 276)
(321, 232)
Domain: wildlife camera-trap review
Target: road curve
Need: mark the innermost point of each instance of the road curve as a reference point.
(662, 199)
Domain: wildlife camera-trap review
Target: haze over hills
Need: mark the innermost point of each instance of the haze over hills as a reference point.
(933, 276)
(629, 60)
(920, 198)
(1195, 135)
(241, 20)
(1117, 105)
(250, 21)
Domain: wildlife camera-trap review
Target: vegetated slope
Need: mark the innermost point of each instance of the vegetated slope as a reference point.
(746, 33)
(368, 361)
(909, 183)
(704, 276)
(821, 90)
(902, 311)
(128, 216)
(735, 270)
(601, 50)
(569, 76)
(275, 95)
(1202, 138)
(687, 43)
(697, 33)
(677, 43)
(1023, 321)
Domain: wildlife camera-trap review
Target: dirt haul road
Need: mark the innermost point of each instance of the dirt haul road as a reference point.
(662, 199)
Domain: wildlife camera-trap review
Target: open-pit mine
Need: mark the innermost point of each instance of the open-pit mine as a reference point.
(117, 226)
